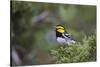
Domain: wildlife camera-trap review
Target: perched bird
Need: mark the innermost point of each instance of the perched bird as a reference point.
(62, 36)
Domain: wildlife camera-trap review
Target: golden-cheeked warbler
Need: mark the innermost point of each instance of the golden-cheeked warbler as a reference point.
(62, 36)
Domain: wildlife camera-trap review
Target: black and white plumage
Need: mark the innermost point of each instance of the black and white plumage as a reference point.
(62, 36)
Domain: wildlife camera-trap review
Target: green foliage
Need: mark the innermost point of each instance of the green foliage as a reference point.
(79, 52)
(33, 31)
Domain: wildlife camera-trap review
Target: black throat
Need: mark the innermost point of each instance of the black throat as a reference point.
(58, 34)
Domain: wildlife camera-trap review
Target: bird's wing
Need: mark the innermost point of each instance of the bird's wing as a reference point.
(66, 35)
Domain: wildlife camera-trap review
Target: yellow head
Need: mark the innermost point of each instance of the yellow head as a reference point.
(60, 29)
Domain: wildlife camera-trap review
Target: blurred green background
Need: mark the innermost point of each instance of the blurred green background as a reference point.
(33, 28)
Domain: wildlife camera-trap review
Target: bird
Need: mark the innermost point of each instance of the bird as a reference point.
(62, 36)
